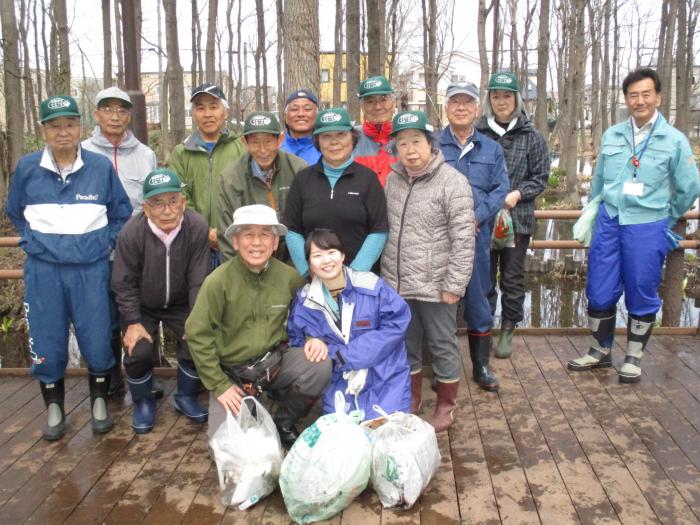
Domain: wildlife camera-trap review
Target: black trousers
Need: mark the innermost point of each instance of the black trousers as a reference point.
(510, 264)
(140, 362)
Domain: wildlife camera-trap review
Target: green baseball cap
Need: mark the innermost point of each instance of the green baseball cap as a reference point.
(161, 180)
(333, 119)
(410, 120)
(505, 81)
(58, 106)
(261, 122)
(374, 86)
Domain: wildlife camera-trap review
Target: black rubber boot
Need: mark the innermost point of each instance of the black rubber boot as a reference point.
(101, 420)
(292, 406)
(116, 378)
(602, 325)
(638, 333)
(54, 394)
(479, 348)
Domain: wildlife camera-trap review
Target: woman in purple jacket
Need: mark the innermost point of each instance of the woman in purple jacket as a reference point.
(357, 320)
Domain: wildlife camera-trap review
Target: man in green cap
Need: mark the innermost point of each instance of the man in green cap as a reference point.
(68, 205)
(375, 144)
(162, 257)
(200, 160)
(262, 176)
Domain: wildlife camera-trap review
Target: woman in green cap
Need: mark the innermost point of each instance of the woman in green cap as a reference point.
(428, 257)
(339, 194)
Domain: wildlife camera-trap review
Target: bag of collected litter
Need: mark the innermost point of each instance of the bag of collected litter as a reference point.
(328, 466)
(583, 227)
(405, 456)
(503, 232)
(248, 455)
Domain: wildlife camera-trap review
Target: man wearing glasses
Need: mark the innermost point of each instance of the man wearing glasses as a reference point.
(68, 206)
(160, 262)
(374, 147)
(132, 161)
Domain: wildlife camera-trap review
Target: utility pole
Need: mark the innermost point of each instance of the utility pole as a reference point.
(132, 71)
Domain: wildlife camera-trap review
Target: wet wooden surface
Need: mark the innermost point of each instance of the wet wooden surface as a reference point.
(550, 447)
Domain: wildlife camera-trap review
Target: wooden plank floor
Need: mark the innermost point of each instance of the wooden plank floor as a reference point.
(550, 447)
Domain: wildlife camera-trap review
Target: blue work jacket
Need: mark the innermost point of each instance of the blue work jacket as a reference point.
(302, 147)
(483, 163)
(369, 334)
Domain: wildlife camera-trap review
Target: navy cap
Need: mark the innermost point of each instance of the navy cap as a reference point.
(301, 93)
(210, 89)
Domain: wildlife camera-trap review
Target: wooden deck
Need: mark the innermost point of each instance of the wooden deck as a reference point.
(550, 447)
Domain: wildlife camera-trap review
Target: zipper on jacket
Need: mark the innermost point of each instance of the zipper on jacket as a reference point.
(210, 170)
(167, 277)
(398, 243)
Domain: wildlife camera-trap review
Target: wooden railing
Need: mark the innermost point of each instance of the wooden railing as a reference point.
(13, 242)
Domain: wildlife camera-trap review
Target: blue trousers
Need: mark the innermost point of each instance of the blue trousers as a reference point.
(56, 295)
(629, 258)
(477, 310)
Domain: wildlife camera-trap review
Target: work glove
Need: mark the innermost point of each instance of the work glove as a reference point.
(673, 239)
(356, 381)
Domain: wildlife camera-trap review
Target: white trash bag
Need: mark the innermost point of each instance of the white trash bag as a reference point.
(327, 468)
(405, 456)
(248, 455)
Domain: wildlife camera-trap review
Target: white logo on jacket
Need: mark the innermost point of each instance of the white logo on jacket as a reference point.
(92, 197)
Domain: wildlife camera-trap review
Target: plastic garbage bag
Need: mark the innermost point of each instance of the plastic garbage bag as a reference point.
(583, 227)
(248, 455)
(503, 232)
(405, 456)
(327, 468)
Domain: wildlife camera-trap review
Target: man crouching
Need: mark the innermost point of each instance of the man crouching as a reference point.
(236, 331)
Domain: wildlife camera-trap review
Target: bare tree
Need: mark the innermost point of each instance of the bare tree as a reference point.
(615, 80)
(376, 52)
(497, 37)
(605, 69)
(107, 43)
(174, 74)
(394, 33)
(301, 45)
(163, 82)
(32, 121)
(118, 39)
(229, 52)
(261, 60)
(210, 68)
(197, 68)
(352, 56)
(61, 24)
(280, 48)
(595, 18)
(35, 25)
(541, 110)
(481, 36)
(339, 56)
(12, 85)
(430, 58)
(666, 66)
(241, 73)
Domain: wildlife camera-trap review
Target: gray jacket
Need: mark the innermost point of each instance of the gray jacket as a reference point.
(431, 232)
(132, 161)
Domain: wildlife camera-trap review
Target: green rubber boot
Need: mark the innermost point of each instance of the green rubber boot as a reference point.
(505, 340)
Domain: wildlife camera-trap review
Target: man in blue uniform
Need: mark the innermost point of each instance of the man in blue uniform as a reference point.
(482, 161)
(647, 179)
(68, 205)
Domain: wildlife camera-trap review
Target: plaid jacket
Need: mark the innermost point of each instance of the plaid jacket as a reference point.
(527, 159)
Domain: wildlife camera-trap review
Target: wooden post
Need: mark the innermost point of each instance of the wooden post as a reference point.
(132, 71)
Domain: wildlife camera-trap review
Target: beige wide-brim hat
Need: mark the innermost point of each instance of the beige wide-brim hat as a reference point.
(255, 215)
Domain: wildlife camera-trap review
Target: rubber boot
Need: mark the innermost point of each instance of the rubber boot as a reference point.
(504, 346)
(116, 378)
(188, 387)
(479, 348)
(54, 394)
(157, 389)
(416, 385)
(602, 325)
(638, 334)
(446, 405)
(101, 420)
(144, 415)
(292, 406)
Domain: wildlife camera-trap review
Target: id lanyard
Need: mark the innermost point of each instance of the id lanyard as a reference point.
(636, 160)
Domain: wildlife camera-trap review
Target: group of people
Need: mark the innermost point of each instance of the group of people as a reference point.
(316, 256)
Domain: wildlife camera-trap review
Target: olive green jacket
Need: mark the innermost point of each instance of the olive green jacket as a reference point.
(239, 315)
(200, 171)
(239, 187)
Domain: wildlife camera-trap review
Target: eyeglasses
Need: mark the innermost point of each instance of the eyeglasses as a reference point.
(159, 206)
(118, 111)
(56, 128)
(461, 102)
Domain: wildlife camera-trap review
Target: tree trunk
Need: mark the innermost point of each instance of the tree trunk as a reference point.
(616, 65)
(35, 25)
(280, 48)
(174, 73)
(672, 295)
(239, 80)
(118, 39)
(301, 45)
(392, 36)
(107, 43)
(376, 53)
(229, 53)
(497, 38)
(595, 30)
(666, 72)
(339, 55)
(29, 101)
(261, 58)
(61, 24)
(682, 122)
(430, 59)
(352, 56)
(481, 36)
(163, 98)
(209, 53)
(13, 87)
(605, 73)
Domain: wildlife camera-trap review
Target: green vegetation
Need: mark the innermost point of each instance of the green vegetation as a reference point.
(6, 325)
(555, 177)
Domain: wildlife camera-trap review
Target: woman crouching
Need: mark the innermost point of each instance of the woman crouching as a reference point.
(358, 321)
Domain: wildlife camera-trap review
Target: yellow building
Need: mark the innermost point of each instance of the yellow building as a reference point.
(327, 61)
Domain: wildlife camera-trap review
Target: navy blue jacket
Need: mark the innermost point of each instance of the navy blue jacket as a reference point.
(73, 221)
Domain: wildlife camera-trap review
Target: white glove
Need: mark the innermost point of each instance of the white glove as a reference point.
(356, 381)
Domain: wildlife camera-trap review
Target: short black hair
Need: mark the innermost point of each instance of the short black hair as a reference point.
(353, 132)
(324, 239)
(640, 74)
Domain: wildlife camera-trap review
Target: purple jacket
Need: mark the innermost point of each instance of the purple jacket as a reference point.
(374, 320)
